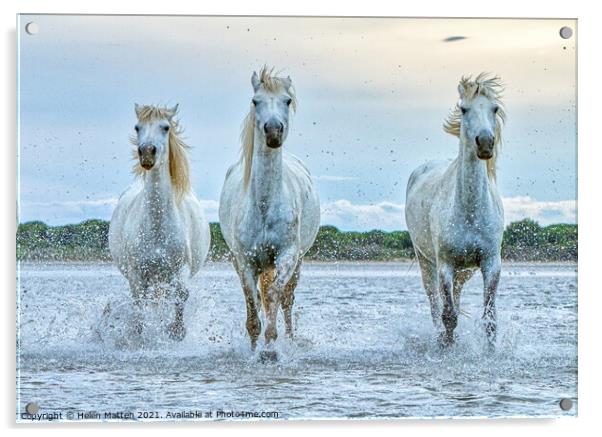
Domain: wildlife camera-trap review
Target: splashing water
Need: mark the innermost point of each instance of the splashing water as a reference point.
(364, 346)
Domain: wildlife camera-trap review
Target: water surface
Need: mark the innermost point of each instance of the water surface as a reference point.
(365, 347)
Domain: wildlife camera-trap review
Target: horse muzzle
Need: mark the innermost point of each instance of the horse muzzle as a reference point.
(273, 142)
(273, 131)
(147, 155)
(485, 154)
(485, 144)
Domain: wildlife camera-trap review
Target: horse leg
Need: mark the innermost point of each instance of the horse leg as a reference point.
(288, 298)
(176, 329)
(460, 279)
(248, 280)
(429, 280)
(265, 281)
(490, 269)
(449, 315)
(285, 268)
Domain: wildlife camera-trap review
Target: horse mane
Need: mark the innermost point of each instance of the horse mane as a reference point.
(491, 87)
(179, 167)
(272, 84)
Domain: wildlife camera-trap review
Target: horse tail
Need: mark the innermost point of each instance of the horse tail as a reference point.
(266, 279)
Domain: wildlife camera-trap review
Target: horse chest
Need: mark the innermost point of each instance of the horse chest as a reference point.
(467, 251)
(467, 244)
(160, 252)
(263, 236)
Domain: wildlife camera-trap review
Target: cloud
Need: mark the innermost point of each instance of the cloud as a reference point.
(70, 211)
(76, 211)
(342, 213)
(390, 216)
(345, 215)
(544, 212)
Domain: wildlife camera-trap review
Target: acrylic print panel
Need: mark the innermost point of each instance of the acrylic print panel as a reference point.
(177, 262)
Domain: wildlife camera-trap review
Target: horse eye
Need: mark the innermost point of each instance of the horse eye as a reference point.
(463, 109)
(289, 101)
(137, 128)
(254, 102)
(496, 109)
(166, 128)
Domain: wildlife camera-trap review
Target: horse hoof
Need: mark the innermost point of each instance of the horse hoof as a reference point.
(268, 356)
(176, 331)
(446, 340)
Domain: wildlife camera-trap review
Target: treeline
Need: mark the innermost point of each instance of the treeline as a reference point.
(525, 240)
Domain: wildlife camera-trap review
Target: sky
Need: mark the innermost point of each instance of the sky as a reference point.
(372, 93)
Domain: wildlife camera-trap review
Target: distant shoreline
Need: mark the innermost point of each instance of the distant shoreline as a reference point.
(524, 241)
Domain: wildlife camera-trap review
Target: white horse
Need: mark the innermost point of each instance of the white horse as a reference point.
(269, 209)
(158, 227)
(454, 212)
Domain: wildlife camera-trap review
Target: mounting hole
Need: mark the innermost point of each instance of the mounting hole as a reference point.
(32, 408)
(32, 28)
(566, 404)
(566, 32)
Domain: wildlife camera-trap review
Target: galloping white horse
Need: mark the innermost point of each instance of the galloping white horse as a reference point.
(269, 210)
(158, 226)
(454, 212)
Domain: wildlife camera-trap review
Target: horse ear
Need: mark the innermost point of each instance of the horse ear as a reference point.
(255, 81)
(461, 90)
(287, 82)
(174, 110)
(137, 108)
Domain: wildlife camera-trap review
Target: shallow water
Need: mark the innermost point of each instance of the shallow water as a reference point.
(364, 347)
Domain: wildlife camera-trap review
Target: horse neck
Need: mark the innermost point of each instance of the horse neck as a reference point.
(266, 174)
(472, 184)
(158, 194)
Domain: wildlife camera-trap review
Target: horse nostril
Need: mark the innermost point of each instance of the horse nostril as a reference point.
(484, 141)
(273, 127)
(147, 149)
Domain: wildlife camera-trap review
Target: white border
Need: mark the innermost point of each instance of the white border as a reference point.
(590, 25)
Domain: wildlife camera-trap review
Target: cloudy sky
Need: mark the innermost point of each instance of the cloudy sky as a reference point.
(372, 96)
